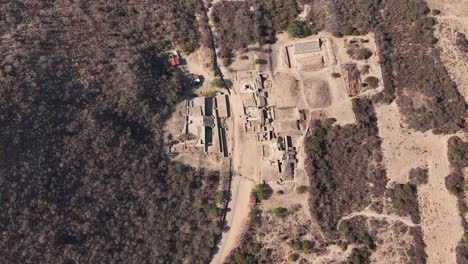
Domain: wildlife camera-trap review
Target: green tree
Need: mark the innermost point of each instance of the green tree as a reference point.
(337, 34)
(453, 190)
(351, 31)
(256, 247)
(217, 82)
(344, 245)
(363, 54)
(211, 210)
(409, 188)
(219, 197)
(243, 258)
(298, 29)
(296, 245)
(280, 212)
(357, 259)
(261, 192)
(209, 93)
(430, 21)
(372, 81)
(306, 245)
(293, 257)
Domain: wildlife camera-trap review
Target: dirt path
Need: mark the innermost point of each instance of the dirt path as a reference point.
(305, 12)
(243, 180)
(372, 214)
(211, 32)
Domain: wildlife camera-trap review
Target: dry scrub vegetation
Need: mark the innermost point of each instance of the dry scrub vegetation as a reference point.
(349, 203)
(455, 183)
(411, 65)
(412, 69)
(241, 23)
(347, 175)
(338, 188)
(84, 93)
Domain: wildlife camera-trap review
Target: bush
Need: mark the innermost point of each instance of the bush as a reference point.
(296, 245)
(435, 12)
(363, 54)
(217, 82)
(298, 29)
(219, 197)
(209, 93)
(409, 188)
(260, 61)
(344, 245)
(458, 155)
(307, 244)
(280, 212)
(335, 75)
(430, 21)
(256, 247)
(418, 175)
(293, 257)
(244, 57)
(357, 259)
(243, 258)
(372, 81)
(453, 190)
(261, 192)
(302, 189)
(351, 31)
(183, 137)
(211, 210)
(337, 34)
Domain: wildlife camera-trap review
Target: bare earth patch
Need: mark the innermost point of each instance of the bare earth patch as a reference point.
(317, 93)
(403, 150)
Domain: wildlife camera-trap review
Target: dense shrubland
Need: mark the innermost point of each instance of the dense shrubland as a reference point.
(256, 21)
(337, 187)
(412, 70)
(84, 92)
(411, 64)
(347, 175)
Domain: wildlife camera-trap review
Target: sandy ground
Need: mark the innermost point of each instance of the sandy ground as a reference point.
(404, 150)
(175, 125)
(453, 19)
(194, 65)
(338, 105)
(245, 174)
(441, 223)
(309, 90)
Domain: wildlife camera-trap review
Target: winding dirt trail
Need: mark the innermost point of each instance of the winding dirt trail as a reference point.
(372, 214)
